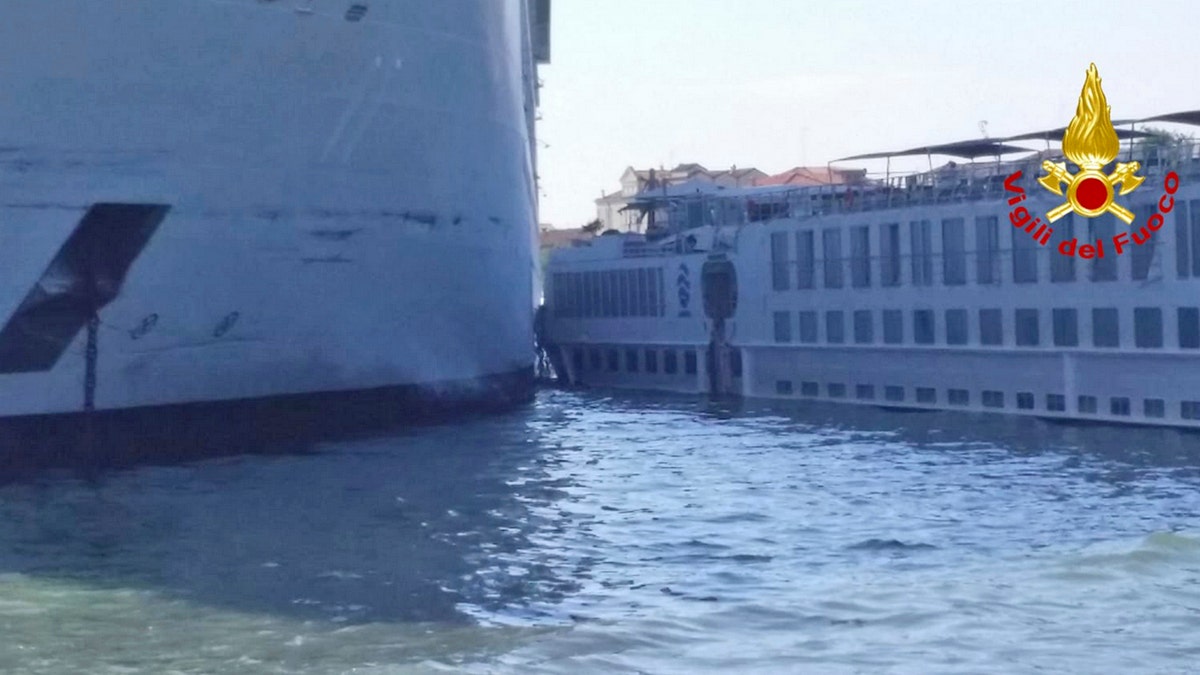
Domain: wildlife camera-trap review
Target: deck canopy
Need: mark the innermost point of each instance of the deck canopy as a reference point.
(1057, 134)
(983, 147)
(1187, 117)
(994, 147)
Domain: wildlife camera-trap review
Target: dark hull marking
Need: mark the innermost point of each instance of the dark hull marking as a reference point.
(85, 275)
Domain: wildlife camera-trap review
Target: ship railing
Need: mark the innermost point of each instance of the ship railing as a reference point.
(634, 248)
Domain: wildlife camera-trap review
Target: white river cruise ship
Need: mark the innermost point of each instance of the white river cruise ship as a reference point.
(913, 291)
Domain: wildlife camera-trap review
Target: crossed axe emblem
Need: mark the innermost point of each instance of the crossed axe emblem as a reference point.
(1091, 203)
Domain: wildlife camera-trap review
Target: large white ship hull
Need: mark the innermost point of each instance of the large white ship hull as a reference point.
(324, 200)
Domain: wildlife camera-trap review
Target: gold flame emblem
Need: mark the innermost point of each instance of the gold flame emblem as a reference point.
(1091, 142)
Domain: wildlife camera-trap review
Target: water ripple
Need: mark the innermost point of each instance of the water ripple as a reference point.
(604, 533)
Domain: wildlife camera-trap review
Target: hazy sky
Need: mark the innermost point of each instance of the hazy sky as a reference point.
(779, 83)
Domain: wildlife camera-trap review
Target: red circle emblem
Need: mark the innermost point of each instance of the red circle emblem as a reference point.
(1092, 193)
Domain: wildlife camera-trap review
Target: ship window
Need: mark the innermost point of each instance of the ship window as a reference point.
(629, 292)
(575, 294)
(558, 286)
(923, 329)
(865, 392)
(1062, 267)
(597, 295)
(993, 399)
(893, 393)
(810, 389)
(805, 259)
(860, 256)
(561, 294)
(1056, 402)
(779, 261)
(1087, 405)
(1119, 405)
(631, 360)
(1066, 327)
(893, 326)
(954, 252)
(614, 362)
(1147, 327)
(585, 292)
(648, 296)
(594, 359)
(956, 326)
(735, 363)
(1194, 217)
(670, 362)
(651, 360)
(642, 307)
(836, 390)
(1024, 400)
(926, 395)
(889, 254)
(635, 293)
(1189, 328)
(1024, 252)
(1142, 255)
(1026, 326)
(610, 294)
(1154, 407)
(695, 214)
(1102, 228)
(1182, 250)
(783, 387)
(1105, 327)
(659, 293)
(864, 327)
(835, 327)
(987, 247)
(577, 359)
(625, 308)
(581, 298)
(831, 240)
(689, 363)
(1189, 410)
(601, 294)
(922, 252)
(648, 291)
(958, 397)
(783, 326)
(991, 327)
(808, 327)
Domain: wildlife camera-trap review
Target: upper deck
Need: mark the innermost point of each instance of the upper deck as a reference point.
(676, 210)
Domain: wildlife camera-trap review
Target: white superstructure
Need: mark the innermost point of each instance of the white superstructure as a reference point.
(264, 197)
(915, 292)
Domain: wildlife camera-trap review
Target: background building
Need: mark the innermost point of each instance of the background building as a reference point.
(609, 207)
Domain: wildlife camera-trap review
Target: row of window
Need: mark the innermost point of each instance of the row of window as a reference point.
(1086, 404)
(802, 268)
(1105, 323)
(642, 360)
(608, 293)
